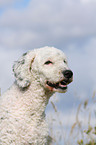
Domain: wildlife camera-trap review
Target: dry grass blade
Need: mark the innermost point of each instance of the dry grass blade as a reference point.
(77, 114)
(72, 128)
(85, 103)
(54, 107)
(89, 118)
(93, 95)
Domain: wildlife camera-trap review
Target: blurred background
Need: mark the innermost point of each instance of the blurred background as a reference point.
(69, 25)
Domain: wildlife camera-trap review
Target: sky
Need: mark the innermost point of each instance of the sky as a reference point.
(69, 25)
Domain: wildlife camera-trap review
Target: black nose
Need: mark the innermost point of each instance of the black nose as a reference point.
(68, 74)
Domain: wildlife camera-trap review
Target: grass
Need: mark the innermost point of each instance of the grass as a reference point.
(82, 131)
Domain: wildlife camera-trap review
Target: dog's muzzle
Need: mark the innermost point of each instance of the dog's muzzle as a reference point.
(61, 86)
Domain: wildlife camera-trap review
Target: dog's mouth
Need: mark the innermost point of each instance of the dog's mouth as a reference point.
(59, 86)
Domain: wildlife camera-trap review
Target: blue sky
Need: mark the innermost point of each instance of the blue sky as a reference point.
(22, 4)
(69, 25)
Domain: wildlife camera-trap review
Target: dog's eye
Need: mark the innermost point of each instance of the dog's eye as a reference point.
(65, 61)
(48, 62)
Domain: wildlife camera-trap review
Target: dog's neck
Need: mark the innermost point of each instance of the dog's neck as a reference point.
(33, 103)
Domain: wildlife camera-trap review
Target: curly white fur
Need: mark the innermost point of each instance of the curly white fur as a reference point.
(22, 107)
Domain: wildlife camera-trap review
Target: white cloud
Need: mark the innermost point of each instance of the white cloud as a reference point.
(4, 3)
(88, 1)
(48, 23)
(84, 68)
(7, 58)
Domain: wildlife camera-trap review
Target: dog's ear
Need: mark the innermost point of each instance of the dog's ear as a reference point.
(22, 69)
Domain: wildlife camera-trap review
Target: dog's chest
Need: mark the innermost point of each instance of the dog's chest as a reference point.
(33, 132)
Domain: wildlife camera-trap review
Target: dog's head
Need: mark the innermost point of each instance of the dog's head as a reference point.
(47, 65)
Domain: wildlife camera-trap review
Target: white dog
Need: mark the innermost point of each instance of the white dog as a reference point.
(39, 73)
